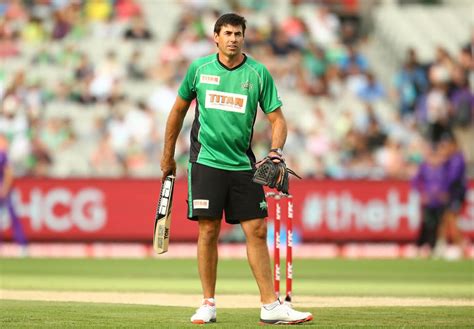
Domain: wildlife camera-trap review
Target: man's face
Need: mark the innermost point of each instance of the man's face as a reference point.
(230, 40)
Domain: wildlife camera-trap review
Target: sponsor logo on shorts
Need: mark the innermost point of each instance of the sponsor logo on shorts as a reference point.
(263, 205)
(201, 204)
(230, 102)
(210, 79)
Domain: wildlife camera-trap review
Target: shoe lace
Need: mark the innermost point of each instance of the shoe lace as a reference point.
(204, 308)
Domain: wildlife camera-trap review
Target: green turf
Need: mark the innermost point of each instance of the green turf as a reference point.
(336, 277)
(28, 314)
(420, 278)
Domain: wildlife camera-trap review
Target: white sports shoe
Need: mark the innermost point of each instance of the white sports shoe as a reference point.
(283, 314)
(205, 314)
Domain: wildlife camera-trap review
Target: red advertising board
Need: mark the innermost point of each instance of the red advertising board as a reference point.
(124, 210)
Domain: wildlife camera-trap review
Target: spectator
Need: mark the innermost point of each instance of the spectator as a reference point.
(443, 63)
(14, 126)
(61, 26)
(462, 112)
(136, 160)
(353, 66)
(410, 83)
(85, 69)
(138, 30)
(98, 10)
(126, 9)
(34, 31)
(56, 134)
(349, 34)
(323, 26)
(353, 62)
(119, 132)
(35, 98)
(83, 93)
(139, 122)
(315, 61)
(104, 161)
(161, 98)
(171, 51)
(280, 43)
(372, 91)
(465, 59)
(376, 138)
(43, 57)
(311, 66)
(108, 73)
(135, 68)
(437, 103)
(9, 36)
(296, 30)
(15, 10)
(390, 159)
(69, 56)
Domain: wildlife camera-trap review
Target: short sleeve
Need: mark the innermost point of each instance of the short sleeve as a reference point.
(187, 90)
(269, 99)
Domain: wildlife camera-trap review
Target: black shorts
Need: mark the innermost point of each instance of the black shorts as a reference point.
(212, 191)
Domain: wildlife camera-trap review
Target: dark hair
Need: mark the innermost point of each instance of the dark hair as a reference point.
(230, 19)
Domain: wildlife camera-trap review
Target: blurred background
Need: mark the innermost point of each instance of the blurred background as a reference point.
(367, 87)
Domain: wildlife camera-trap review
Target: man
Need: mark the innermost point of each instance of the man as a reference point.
(228, 87)
(456, 180)
(6, 183)
(431, 183)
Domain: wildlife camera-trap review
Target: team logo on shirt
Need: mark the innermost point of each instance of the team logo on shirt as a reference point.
(210, 79)
(246, 85)
(220, 100)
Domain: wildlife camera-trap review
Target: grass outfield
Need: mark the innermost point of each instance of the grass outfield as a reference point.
(399, 278)
(20, 314)
(420, 278)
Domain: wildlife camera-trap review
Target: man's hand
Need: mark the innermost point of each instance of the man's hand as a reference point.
(168, 167)
(276, 155)
(272, 172)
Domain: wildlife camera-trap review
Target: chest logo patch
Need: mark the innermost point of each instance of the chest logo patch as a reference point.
(210, 79)
(246, 85)
(230, 102)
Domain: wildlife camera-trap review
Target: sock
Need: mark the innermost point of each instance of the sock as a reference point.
(271, 306)
(209, 301)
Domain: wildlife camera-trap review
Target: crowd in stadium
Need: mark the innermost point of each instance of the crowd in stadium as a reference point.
(312, 52)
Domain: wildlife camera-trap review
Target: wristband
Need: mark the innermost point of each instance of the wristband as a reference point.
(278, 151)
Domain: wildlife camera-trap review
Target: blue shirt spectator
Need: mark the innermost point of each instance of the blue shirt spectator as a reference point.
(372, 91)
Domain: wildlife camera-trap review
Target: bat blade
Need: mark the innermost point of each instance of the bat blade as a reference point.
(161, 234)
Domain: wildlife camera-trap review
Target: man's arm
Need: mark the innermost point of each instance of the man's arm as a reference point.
(7, 181)
(279, 130)
(173, 128)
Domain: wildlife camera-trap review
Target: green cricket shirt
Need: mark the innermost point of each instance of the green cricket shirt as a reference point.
(226, 108)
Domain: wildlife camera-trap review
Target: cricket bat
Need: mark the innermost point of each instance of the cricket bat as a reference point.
(161, 235)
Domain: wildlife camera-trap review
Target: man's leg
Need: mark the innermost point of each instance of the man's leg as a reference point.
(259, 259)
(17, 228)
(452, 227)
(207, 255)
(207, 266)
(272, 311)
